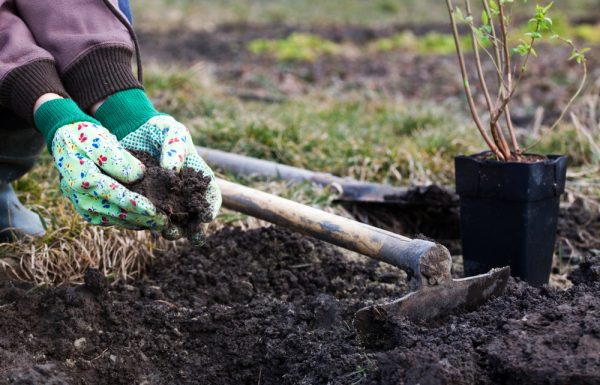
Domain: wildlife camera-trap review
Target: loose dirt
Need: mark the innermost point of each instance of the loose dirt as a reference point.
(178, 195)
(270, 307)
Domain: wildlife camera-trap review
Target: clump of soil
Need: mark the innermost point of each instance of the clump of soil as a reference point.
(268, 306)
(178, 195)
(578, 231)
(588, 271)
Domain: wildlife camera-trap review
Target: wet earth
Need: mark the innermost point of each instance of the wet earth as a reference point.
(267, 306)
(180, 196)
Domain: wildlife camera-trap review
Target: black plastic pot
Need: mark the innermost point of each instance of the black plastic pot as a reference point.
(509, 213)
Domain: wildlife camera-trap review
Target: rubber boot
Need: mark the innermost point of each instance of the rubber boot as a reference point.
(16, 220)
(20, 146)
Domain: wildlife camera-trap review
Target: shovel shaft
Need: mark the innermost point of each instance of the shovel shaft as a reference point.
(419, 258)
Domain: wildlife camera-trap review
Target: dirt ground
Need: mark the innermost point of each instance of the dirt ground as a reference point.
(270, 307)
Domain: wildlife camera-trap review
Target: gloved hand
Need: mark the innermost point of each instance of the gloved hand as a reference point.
(130, 116)
(91, 163)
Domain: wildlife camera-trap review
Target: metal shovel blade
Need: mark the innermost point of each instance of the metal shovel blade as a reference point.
(432, 301)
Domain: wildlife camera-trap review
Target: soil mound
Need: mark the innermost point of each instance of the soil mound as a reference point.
(271, 307)
(179, 195)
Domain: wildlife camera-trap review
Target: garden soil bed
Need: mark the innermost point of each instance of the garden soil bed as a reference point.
(270, 307)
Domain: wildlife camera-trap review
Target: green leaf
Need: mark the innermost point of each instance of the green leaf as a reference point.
(574, 54)
(484, 17)
(534, 35)
(547, 7)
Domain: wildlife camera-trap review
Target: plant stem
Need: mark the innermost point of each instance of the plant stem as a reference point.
(496, 132)
(486, 7)
(511, 132)
(504, 37)
(506, 92)
(465, 77)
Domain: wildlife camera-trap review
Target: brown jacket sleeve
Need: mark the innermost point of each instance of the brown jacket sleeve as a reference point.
(90, 41)
(27, 71)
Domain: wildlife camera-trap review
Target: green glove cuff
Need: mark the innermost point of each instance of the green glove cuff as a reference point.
(126, 111)
(56, 113)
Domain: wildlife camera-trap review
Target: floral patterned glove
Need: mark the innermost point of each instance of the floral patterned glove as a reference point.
(91, 163)
(130, 116)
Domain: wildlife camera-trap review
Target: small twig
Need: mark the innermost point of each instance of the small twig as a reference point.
(496, 66)
(169, 304)
(538, 119)
(7, 305)
(466, 85)
(504, 38)
(100, 355)
(495, 41)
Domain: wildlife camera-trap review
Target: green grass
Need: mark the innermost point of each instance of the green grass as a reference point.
(376, 138)
(297, 46)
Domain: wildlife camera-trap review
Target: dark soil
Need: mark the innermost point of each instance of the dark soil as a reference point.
(524, 158)
(270, 307)
(178, 195)
(578, 231)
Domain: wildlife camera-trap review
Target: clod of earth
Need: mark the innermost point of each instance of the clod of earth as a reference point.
(178, 195)
(273, 307)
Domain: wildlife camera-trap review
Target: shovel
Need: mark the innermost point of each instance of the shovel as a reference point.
(427, 264)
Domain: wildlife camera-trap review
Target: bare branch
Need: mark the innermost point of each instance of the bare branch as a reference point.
(463, 70)
(480, 73)
(495, 128)
(504, 38)
(511, 132)
(495, 41)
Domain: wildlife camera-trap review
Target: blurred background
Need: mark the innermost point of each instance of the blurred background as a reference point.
(368, 89)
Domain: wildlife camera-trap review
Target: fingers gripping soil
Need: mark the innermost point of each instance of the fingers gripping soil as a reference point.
(184, 197)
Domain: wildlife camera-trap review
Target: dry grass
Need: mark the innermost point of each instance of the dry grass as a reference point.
(70, 245)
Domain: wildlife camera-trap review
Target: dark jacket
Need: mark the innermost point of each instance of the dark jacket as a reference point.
(76, 48)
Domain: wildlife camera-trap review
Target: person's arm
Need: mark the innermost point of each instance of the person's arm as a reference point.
(90, 41)
(27, 71)
(93, 48)
(90, 161)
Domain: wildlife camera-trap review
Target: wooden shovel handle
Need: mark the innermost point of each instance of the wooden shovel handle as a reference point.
(423, 260)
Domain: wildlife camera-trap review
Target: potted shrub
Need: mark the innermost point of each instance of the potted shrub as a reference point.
(509, 197)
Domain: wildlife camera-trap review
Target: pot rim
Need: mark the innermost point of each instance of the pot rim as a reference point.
(551, 158)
